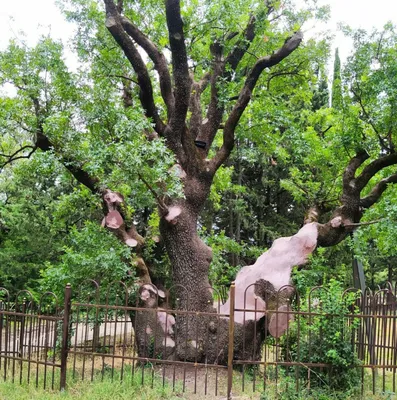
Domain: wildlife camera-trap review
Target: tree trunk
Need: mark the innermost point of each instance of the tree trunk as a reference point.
(190, 259)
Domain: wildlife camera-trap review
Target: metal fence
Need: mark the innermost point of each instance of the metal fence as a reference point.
(106, 333)
(30, 339)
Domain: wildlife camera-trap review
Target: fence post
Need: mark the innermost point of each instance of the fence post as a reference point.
(231, 342)
(22, 331)
(65, 334)
(21, 337)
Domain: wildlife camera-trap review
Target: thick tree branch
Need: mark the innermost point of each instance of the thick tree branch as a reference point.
(346, 218)
(238, 52)
(195, 105)
(44, 144)
(159, 60)
(115, 27)
(214, 112)
(80, 175)
(373, 168)
(224, 69)
(337, 229)
(180, 67)
(377, 191)
(350, 171)
(289, 46)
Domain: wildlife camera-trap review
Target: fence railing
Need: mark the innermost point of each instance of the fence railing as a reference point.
(101, 333)
(29, 337)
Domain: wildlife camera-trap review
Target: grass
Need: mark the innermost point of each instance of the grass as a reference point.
(83, 390)
(106, 388)
(103, 389)
(158, 383)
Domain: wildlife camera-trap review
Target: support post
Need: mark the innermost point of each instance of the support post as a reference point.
(65, 335)
(359, 283)
(358, 275)
(231, 342)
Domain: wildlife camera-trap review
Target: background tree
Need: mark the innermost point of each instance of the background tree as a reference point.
(337, 98)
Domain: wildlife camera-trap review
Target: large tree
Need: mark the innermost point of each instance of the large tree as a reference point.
(152, 117)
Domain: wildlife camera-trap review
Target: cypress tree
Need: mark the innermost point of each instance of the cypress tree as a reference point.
(337, 98)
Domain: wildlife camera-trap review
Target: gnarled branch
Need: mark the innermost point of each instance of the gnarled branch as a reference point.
(180, 67)
(350, 171)
(377, 191)
(115, 27)
(159, 60)
(215, 110)
(373, 168)
(289, 46)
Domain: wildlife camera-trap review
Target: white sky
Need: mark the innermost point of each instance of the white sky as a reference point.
(37, 17)
(34, 17)
(366, 14)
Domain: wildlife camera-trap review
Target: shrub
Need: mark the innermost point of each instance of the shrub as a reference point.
(326, 338)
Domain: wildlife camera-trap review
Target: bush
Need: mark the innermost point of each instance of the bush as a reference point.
(326, 338)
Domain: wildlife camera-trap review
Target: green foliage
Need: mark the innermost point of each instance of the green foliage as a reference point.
(293, 391)
(91, 252)
(321, 95)
(291, 148)
(222, 271)
(324, 264)
(375, 245)
(327, 337)
(337, 95)
(38, 207)
(222, 183)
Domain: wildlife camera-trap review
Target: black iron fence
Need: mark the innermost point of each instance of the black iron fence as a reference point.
(321, 341)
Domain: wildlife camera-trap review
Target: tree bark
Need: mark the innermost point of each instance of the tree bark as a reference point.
(190, 258)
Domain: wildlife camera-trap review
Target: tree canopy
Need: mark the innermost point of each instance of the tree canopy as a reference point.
(215, 108)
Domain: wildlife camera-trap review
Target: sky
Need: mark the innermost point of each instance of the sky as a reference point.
(34, 17)
(42, 17)
(364, 14)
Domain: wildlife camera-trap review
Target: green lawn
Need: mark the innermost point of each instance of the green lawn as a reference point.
(86, 390)
(108, 388)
